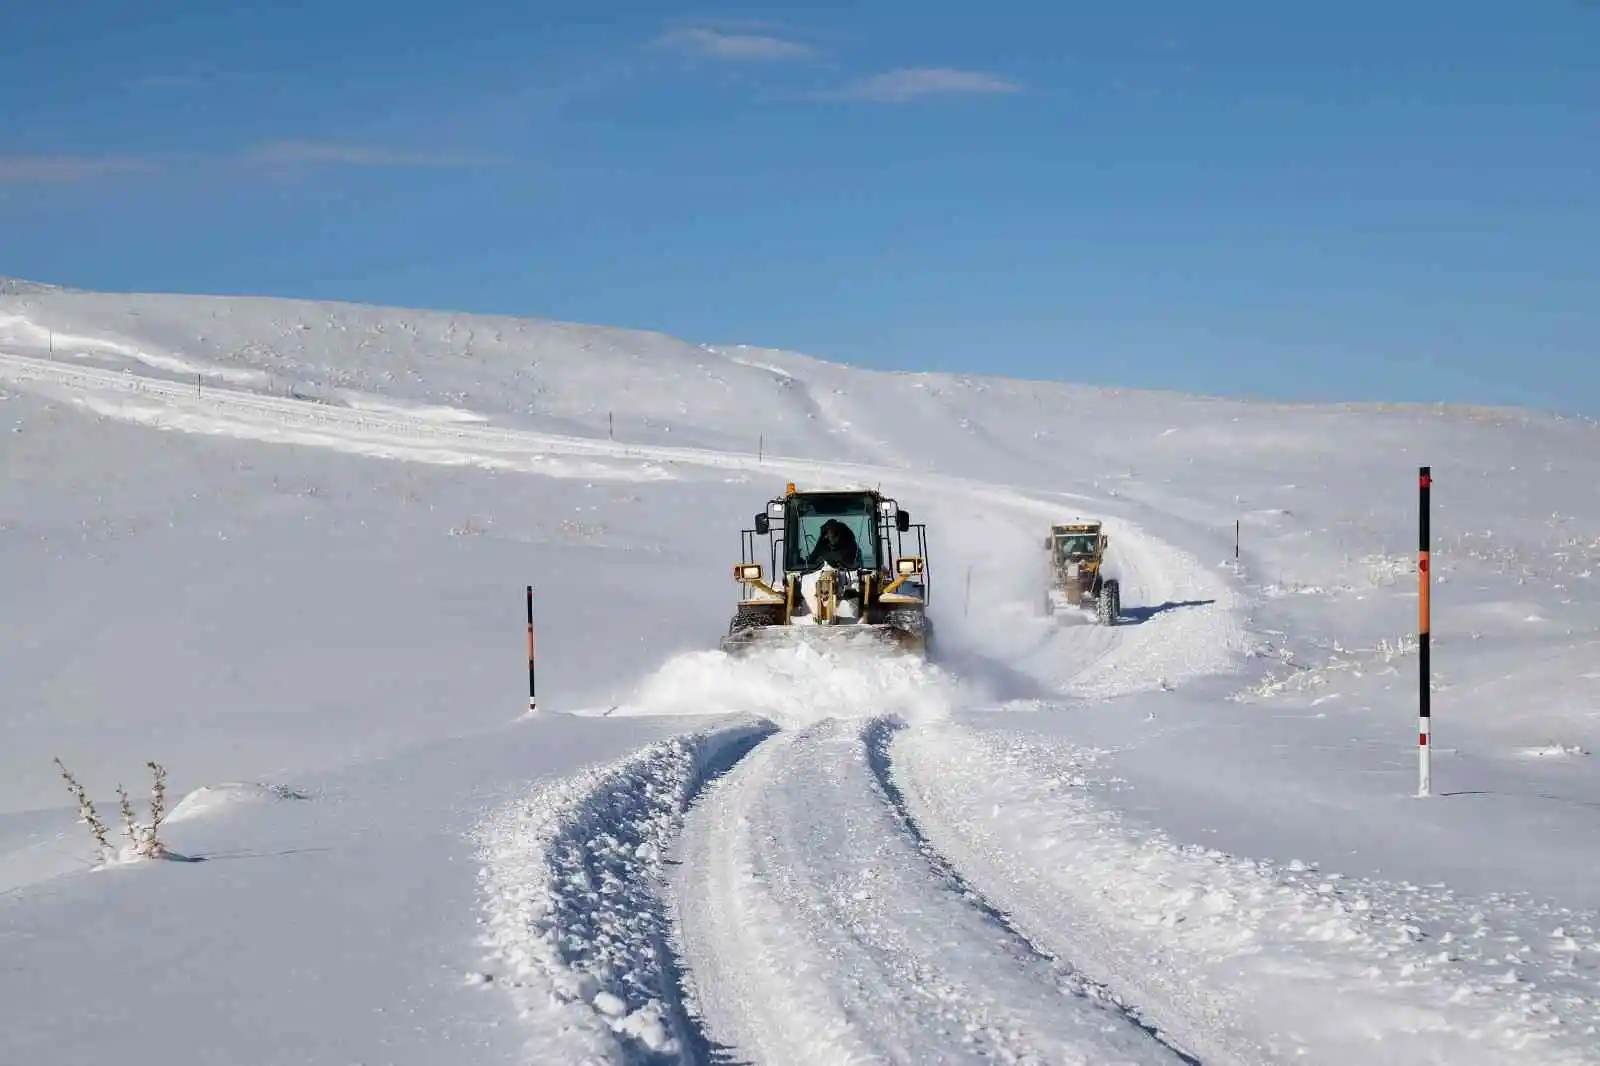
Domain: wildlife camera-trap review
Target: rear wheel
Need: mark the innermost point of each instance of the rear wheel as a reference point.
(1108, 608)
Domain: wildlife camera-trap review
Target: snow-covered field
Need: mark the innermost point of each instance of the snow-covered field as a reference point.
(280, 548)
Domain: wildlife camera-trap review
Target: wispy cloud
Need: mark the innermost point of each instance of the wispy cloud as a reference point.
(272, 155)
(914, 83)
(57, 170)
(166, 81)
(186, 74)
(307, 153)
(719, 44)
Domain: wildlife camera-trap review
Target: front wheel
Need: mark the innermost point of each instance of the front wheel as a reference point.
(747, 616)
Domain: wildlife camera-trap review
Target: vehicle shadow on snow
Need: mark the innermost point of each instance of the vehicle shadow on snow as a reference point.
(1139, 615)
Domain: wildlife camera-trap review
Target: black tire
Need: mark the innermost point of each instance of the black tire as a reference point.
(915, 624)
(755, 616)
(1108, 608)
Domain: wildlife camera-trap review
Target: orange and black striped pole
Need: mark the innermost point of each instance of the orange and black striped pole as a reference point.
(1424, 582)
(531, 699)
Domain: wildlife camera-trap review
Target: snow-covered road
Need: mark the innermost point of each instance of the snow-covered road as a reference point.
(819, 932)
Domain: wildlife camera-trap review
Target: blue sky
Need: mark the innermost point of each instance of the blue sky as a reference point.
(1371, 200)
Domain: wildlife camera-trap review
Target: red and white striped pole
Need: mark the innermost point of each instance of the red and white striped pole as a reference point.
(532, 703)
(1424, 582)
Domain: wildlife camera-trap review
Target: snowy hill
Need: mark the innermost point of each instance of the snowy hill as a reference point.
(281, 548)
(23, 287)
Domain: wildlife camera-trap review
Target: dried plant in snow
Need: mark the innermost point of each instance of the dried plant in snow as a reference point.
(86, 812)
(130, 825)
(158, 794)
(144, 841)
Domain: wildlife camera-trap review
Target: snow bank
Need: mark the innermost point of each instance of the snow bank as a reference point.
(213, 799)
(571, 904)
(1287, 961)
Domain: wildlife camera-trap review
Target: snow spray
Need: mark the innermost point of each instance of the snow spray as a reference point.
(1424, 711)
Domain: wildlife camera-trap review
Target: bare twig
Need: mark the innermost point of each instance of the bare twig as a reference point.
(86, 812)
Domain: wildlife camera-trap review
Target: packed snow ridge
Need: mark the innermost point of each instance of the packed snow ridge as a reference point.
(571, 882)
(1261, 948)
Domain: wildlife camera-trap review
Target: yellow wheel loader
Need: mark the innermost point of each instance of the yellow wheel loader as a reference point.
(1077, 558)
(846, 565)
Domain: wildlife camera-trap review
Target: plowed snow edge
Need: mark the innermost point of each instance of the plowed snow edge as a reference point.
(571, 902)
(879, 738)
(1250, 962)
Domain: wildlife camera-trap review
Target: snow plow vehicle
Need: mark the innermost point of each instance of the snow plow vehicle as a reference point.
(1077, 558)
(840, 572)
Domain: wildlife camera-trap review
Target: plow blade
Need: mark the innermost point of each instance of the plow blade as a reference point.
(1067, 608)
(860, 636)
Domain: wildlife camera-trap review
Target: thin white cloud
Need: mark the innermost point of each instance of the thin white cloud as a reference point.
(756, 47)
(56, 170)
(299, 153)
(287, 154)
(167, 81)
(914, 83)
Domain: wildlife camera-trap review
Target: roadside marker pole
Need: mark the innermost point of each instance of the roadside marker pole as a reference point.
(1424, 581)
(532, 705)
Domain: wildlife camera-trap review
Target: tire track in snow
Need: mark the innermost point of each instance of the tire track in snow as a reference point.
(1242, 958)
(572, 909)
(825, 411)
(938, 771)
(817, 932)
(879, 737)
(1181, 621)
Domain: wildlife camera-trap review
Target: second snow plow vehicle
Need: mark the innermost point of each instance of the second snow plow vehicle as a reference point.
(1077, 557)
(839, 572)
